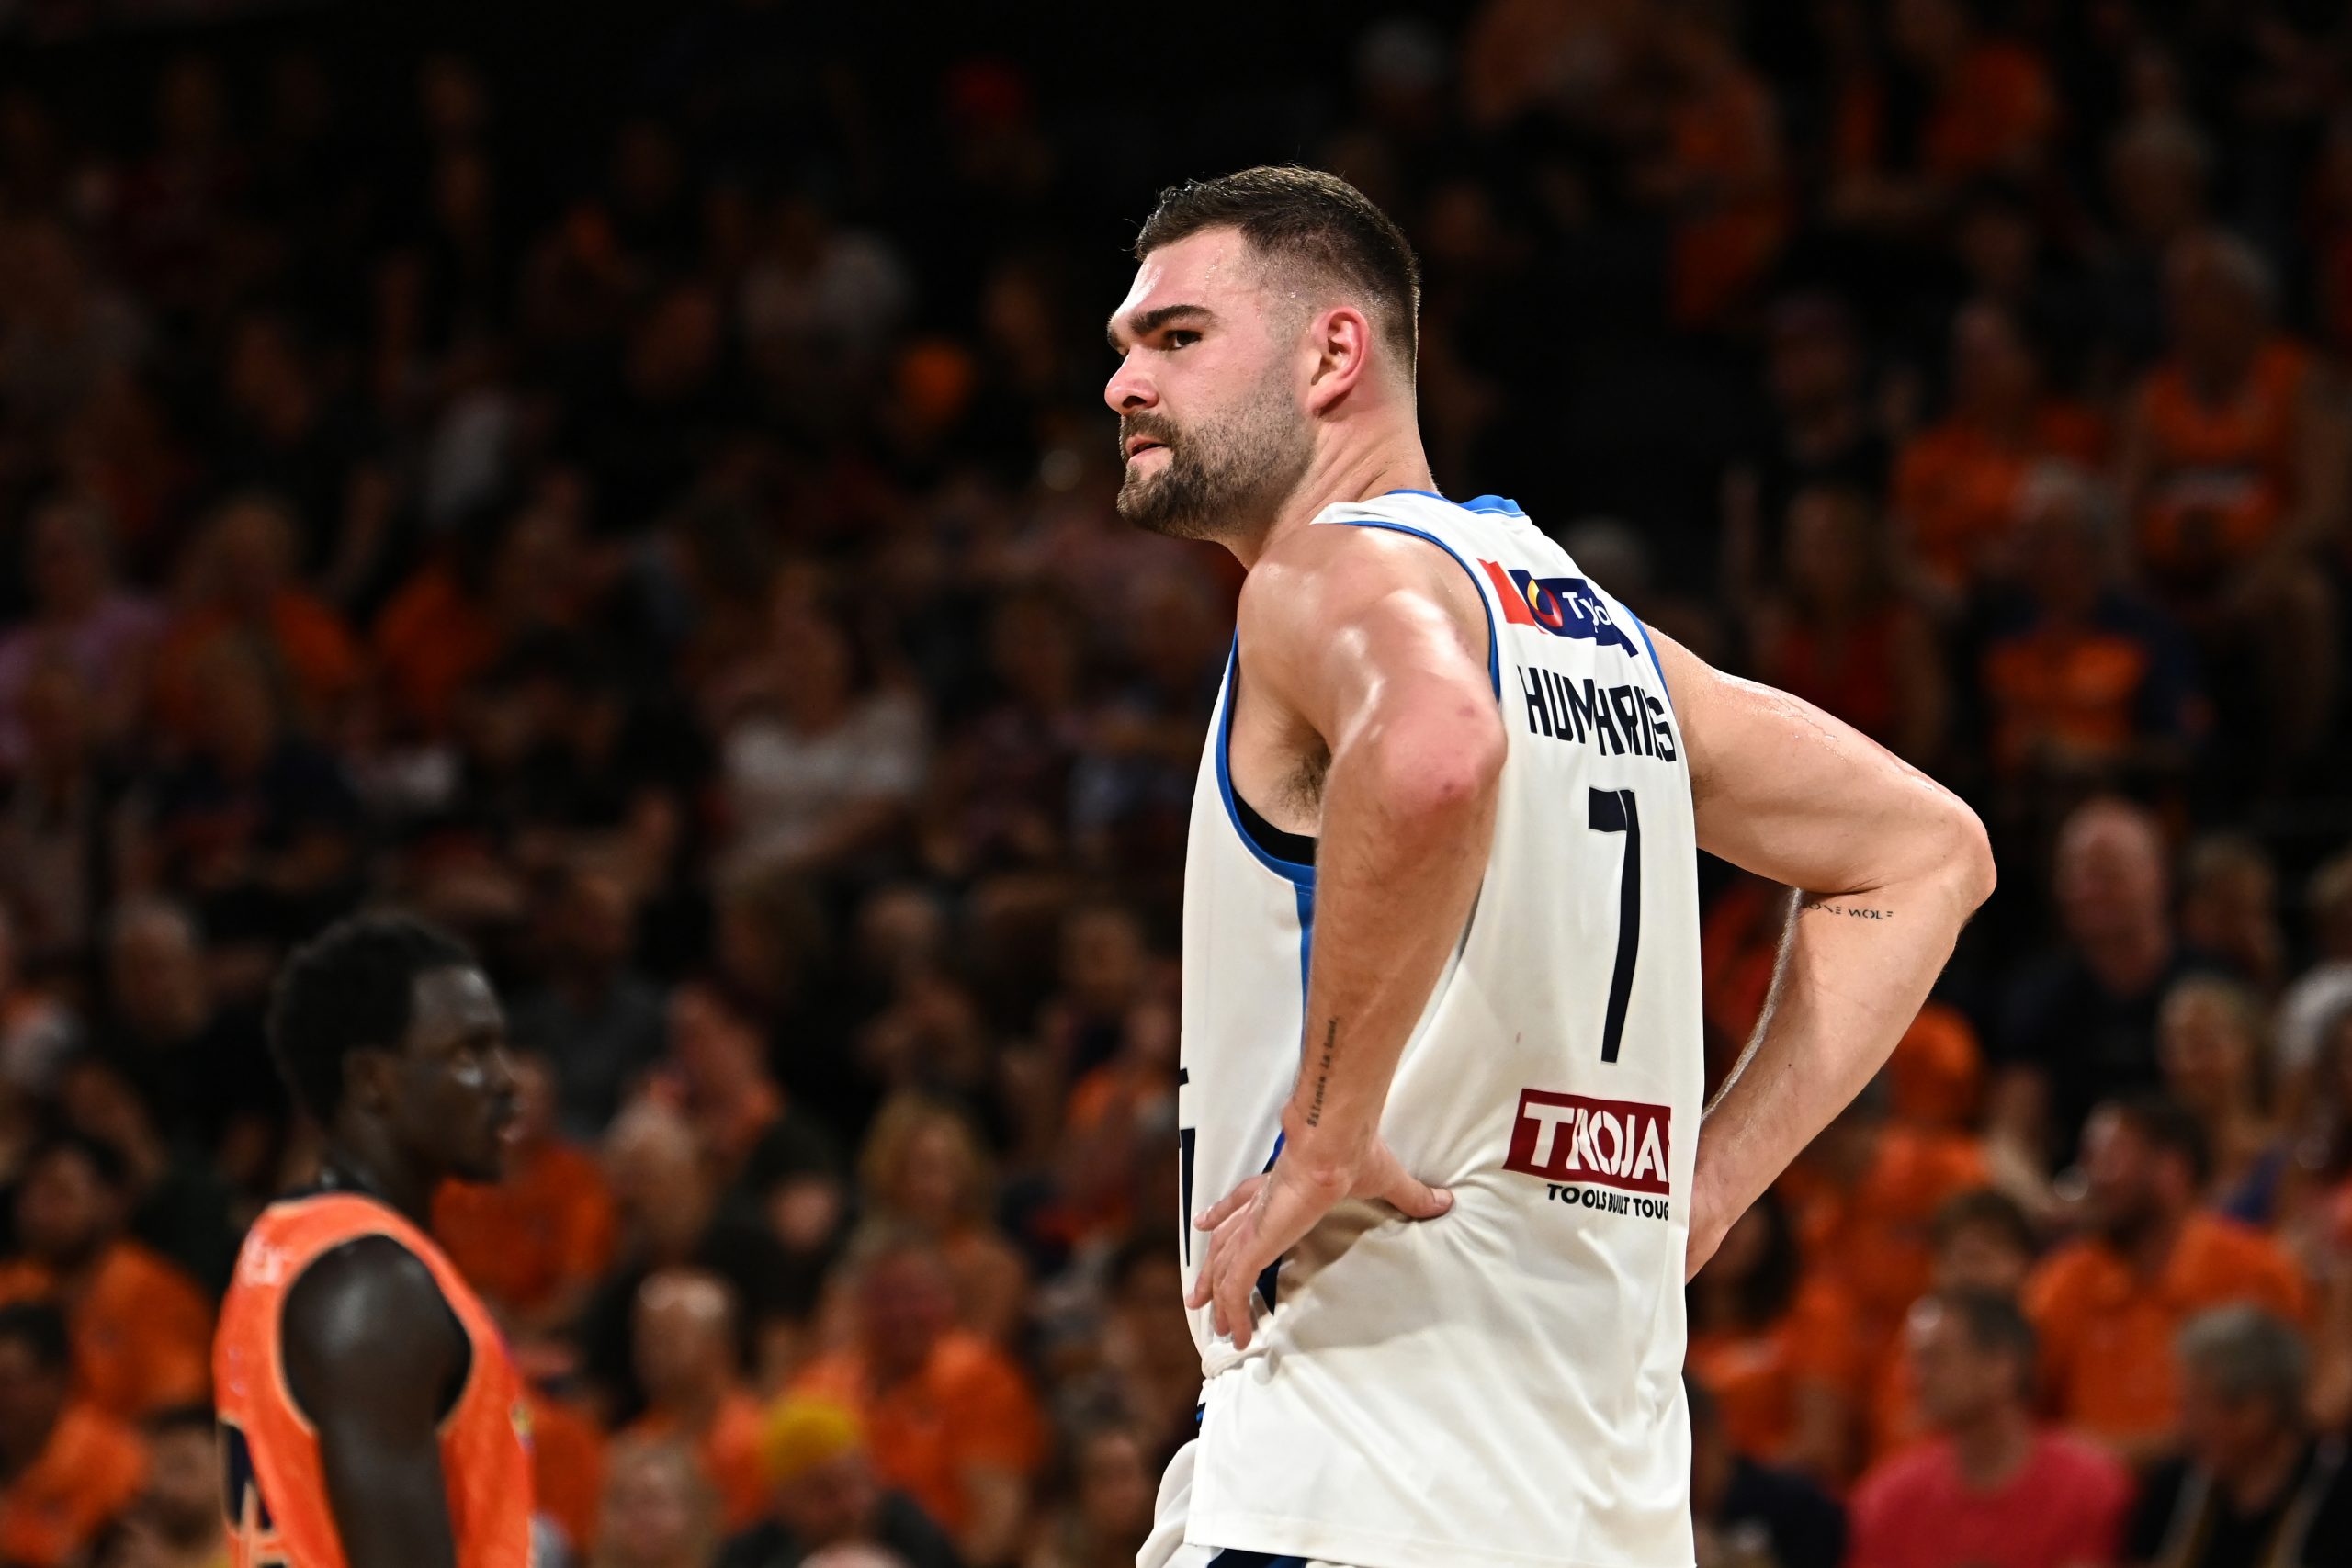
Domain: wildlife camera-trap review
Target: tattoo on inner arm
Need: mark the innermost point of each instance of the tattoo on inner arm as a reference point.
(1851, 911)
(1322, 1073)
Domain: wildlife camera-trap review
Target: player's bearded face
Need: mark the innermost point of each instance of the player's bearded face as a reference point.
(1222, 467)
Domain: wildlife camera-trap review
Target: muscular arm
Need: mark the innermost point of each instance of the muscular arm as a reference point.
(1889, 867)
(371, 1356)
(1377, 644)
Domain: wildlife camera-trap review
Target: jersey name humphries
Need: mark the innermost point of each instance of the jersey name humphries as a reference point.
(1623, 720)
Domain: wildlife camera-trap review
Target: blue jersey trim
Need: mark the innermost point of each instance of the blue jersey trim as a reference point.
(1494, 642)
(1655, 663)
(1299, 876)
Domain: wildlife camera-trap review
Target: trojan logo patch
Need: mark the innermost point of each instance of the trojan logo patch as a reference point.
(1565, 606)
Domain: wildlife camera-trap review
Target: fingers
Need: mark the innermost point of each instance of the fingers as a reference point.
(1229, 1205)
(1417, 1199)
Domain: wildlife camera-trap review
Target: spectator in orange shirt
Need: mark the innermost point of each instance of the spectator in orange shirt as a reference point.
(1958, 484)
(1984, 1242)
(2113, 1298)
(243, 583)
(2233, 467)
(1843, 635)
(142, 1331)
(925, 1169)
(176, 1521)
(1864, 1195)
(1988, 1490)
(1775, 1346)
(567, 1468)
(65, 1468)
(1990, 110)
(950, 1417)
(1721, 170)
(687, 1364)
(535, 1243)
(823, 1494)
(2083, 682)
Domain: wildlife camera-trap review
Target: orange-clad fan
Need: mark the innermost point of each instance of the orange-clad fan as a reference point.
(1984, 1241)
(949, 1420)
(1775, 1347)
(687, 1362)
(2114, 1298)
(69, 1467)
(141, 1330)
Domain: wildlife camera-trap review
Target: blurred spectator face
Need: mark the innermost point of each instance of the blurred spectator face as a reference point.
(31, 1398)
(251, 554)
(907, 1302)
(450, 100)
(182, 1497)
(899, 930)
(1928, 33)
(2207, 1047)
(935, 1172)
(2221, 1432)
(65, 1211)
(657, 1511)
(54, 709)
(68, 557)
(685, 1339)
(2156, 178)
(717, 1052)
(1992, 371)
(1830, 547)
(2110, 873)
(534, 1101)
(1982, 1258)
(1210, 425)
(155, 972)
(1958, 1381)
(2214, 302)
(2229, 907)
(236, 711)
(659, 1179)
(812, 653)
(1815, 363)
(1116, 1488)
(2060, 554)
(2132, 1184)
(677, 347)
(596, 927)
(1033, 650)
(831, 1500)
(1103, 959)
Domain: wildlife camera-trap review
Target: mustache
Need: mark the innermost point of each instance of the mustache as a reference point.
(1151, 426)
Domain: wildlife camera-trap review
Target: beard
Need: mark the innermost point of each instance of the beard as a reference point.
(1223, 475)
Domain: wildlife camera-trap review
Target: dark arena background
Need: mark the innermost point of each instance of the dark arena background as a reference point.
(631, 484)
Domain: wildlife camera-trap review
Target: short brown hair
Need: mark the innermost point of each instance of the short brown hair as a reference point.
(1306, 218)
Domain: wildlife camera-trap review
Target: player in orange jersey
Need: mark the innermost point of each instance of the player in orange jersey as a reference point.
(370, 1415)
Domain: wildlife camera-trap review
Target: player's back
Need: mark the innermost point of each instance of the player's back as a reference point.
(275, 1487)
(1502, 1383)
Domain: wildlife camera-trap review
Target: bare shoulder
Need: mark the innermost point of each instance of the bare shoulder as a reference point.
(366, 1323)
(1326, 577)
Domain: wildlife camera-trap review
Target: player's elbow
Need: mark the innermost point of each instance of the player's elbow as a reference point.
(1965, 854)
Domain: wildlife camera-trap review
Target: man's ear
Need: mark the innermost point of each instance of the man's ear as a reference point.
(367, 1078)
(1339, 341)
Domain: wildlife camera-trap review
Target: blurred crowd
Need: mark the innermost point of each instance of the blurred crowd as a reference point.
(642, 499)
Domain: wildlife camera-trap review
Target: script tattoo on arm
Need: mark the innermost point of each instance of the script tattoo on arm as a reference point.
(1851, 911)
(1322, 1074)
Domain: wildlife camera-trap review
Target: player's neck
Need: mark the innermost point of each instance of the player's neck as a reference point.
(1388, 456)
(362, 1160)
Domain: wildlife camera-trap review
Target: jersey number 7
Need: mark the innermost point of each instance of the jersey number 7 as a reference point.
(1613, 811)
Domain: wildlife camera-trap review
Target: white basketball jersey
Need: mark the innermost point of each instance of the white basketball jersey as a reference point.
(1502, 1384)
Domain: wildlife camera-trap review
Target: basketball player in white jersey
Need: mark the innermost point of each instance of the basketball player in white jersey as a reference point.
(1443, 1165)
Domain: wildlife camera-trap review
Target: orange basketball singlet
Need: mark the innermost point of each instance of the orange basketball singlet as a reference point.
(274, 1489)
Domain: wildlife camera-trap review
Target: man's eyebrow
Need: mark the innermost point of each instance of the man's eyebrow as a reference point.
(1150, 322)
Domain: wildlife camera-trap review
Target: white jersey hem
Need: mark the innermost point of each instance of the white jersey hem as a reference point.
(1309, 1538)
